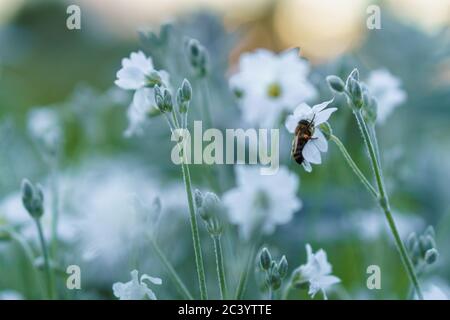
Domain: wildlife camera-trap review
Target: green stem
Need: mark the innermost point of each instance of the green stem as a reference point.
(48, 271)
(55, 207)
(28, 252)
(354, 167)
(242, 285)
(194, 225)
(385, 205)
(220, 267)
(173, 274)
(286, 291)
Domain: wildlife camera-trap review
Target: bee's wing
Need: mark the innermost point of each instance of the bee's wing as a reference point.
(294, 144)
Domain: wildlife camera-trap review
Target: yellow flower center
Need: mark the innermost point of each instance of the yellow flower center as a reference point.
(274, 90)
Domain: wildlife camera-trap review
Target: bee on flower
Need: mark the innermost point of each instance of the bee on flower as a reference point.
(309, 141)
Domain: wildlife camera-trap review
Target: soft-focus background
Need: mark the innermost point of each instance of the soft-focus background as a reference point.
(42, 63)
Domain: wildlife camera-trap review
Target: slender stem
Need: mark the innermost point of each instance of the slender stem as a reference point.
(286, 291)
(220, 267)
(271, 294)
(194, 224)
(28, 252)
(55, 206)
(354, 167)
(173, 274)
(385, 205)
(242, 285)
(48, 272)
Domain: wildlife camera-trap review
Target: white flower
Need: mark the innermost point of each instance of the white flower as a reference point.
(10, 295)
(269, 84)
(434, 293)
(256, 204)
(136, 289)
(318, 114)
(317, 271)
(386, 89)
(134, 76)
(44, 126)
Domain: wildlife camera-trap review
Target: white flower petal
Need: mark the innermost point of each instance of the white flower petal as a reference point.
(291, 123)
(323, 116)
(307, 166)
(153, 280)
(320, 141)
(319, 107)
(130, 78)
(311, 153)
(302, 110)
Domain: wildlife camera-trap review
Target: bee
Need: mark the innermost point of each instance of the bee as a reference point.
(303, 133)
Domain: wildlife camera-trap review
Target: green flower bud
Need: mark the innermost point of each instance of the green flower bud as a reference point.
(210, 206)
(336, 84)
(198, 198)
(411, 241)
(326, 130)
(214, 227)
(354, 74)
(273, 276)
(426, 243)
(430, 231)
(197, 57)
(356, 93)
(431, 256)
(154, 79)
(186, 90)
(167, 101)
(33, 199)
(265, 259)
(283, 267)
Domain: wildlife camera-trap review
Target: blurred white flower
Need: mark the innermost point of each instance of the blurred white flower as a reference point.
(12, 212)
(10, 295)
(44, 126)
(268, 84)
(317, 272)
(113, 219)
(371, 224)
(434, 293)
(255, 203)
(318, 114)
(136, 289)
(386, 89)
(135, 75)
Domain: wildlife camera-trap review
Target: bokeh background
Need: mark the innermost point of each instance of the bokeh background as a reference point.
(42, 63)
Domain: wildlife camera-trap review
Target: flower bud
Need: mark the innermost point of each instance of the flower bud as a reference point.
(431, 256)
(210, 206)
(336, 84)
(426, 243)
(273, 276)
(326, 130)
(186, 90)
(354, 74)
(283, 267)
(198, 198)
(265, 259)
(197, 57)
(430, 231)
(356, 92)
(32, 199)
(214, 227)
(411, 241)
(154, 79)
